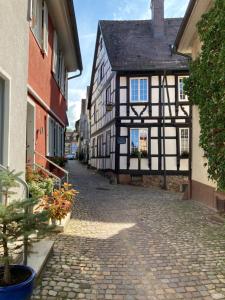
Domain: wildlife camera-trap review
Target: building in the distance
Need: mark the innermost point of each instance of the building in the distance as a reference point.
(140, 116)
(71, 144)
(84, 131)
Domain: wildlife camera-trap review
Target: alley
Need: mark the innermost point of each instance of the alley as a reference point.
(126, 242)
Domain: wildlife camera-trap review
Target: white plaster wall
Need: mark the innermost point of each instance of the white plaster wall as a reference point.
(14, 32)
(144, 164)
(184, 163)
(199, 172)
(133, 164)
(154, 163)
(123, 163)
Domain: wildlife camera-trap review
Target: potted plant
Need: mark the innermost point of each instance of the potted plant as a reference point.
(139, 154)
(59, 203)
(19, 226)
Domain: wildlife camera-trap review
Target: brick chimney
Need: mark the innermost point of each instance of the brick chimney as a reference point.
(157, 7)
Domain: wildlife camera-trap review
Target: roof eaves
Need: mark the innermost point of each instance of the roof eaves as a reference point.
(76, 37)
(184, 23)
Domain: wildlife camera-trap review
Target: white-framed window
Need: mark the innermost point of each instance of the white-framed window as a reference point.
(184, 141)
(39, 22)
(182, 96)
(2, 92)
(139, 142)
(139, 89)
(108, 143)
(55, 138)
(58, 67)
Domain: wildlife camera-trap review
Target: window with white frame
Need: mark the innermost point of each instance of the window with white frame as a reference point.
(58, 66)
(184, 141)
(182, 95)
(2, 85)
(139, 90)
(108, 143)
(55, 138)
(139, 142)
(39, 22)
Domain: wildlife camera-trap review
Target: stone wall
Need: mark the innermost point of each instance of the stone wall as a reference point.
(174, 183)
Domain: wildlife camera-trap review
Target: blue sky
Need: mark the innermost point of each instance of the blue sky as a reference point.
(88, 12)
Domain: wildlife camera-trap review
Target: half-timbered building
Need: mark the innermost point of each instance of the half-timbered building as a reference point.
(140, 116)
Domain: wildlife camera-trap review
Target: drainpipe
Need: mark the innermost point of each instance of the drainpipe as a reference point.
(75, 76)
(174, 51)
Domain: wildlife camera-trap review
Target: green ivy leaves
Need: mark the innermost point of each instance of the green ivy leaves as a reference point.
(206, 88)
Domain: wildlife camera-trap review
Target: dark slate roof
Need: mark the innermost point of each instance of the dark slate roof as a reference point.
(131, 46)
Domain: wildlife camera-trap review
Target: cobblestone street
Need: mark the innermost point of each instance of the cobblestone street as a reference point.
(127, 242)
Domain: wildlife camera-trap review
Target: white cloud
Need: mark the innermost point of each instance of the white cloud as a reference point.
(74, 104)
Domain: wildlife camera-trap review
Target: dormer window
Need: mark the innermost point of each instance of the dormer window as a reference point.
(139, 90)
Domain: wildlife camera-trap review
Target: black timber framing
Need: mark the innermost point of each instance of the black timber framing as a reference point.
(158, 122)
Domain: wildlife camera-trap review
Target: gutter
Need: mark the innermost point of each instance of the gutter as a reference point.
(75, 76)
(76, 37)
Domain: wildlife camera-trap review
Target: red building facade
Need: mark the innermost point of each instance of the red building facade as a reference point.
(53, 52)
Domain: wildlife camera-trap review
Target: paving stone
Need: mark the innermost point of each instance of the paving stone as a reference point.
(128, 242)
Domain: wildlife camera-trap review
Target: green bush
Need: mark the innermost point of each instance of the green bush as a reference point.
(206, 89)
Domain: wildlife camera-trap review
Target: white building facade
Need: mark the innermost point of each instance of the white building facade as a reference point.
(140, 116)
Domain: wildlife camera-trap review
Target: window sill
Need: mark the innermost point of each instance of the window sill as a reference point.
(141, 101)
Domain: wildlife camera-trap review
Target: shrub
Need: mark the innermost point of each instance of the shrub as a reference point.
(59, 204)
(206, 89)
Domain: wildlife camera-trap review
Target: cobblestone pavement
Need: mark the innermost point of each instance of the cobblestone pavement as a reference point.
(127, 243)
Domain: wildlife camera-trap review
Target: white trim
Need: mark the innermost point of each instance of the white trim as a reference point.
(7, 109)
(30, 10)
(45, 28)
(32, 103)
(139, 90)
(184, 128)
(41, 101)
(186, 98)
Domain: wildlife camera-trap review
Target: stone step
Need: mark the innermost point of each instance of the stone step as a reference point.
(39, 255)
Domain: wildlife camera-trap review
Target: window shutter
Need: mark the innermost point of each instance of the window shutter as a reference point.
(45, 29)
(55, 53)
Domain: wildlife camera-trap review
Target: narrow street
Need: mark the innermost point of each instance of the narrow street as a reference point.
(126, 243)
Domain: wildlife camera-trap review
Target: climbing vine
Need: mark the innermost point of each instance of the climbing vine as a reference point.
(206, 89)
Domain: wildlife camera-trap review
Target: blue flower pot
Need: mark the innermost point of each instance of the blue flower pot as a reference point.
(20, 291)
